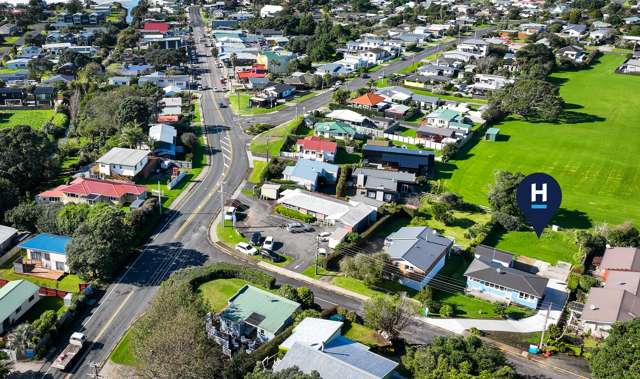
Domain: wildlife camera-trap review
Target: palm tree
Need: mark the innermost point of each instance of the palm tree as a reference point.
(5, 365)
(20, 338)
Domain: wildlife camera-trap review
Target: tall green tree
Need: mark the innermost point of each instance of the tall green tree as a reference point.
(28, 157)
(341, 95)
(5, 365)
(289, 373)
(535, 60)
(390, 314)
(503, 202)
(618, 356)
(457, 357)
(10, 196)
(186, 352)
(533, 99)
(101, 244)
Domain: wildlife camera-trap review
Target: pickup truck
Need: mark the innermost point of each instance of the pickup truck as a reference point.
(76, 343)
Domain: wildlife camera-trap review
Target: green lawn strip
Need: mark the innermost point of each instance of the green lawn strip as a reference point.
(408, 132)
(197, 117)
(256, 173)
(410, 68)
(36, 118)
(322, 272)
(550, 247)
(384, 82)
(273, 139)
(420, 91)
(68, 283)
(364, 335)
(122, 354)
(10, 40)
(46, 303)
(229, 235)
(6, 70)
(592, 154)
(240, 105)
(344, 157)
(216, 293)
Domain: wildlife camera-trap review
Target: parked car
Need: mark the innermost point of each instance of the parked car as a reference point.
(297, 227)
(215, 89)
(268, 243)
(322, 251)
(222, 105)
(365, 76)
(245, 248)
(256, 237)
(324, 236)
(274, 257)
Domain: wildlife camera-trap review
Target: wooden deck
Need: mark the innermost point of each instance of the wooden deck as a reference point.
(44, 273)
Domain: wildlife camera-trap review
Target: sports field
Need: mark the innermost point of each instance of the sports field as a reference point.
(593, 153)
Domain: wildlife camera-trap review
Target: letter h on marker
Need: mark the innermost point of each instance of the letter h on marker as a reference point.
(534, 196)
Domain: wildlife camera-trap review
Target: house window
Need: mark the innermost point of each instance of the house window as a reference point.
(60, 266)
(18, 309)
(31, 298)
(47, 257)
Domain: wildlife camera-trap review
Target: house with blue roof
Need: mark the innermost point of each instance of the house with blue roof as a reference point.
(311, 174)
(317, 345)
(48, 251)
(420, 162)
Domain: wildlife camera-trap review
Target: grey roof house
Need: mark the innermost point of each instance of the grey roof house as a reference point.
(316, 345)
(419, 253)
(309, 173)
(383, 185)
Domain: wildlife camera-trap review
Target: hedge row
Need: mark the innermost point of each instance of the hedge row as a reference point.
(287, 212)
(196, 276)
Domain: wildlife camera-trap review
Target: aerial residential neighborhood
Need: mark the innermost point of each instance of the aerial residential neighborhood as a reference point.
(319, 189)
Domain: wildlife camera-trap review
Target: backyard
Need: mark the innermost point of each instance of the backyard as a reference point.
(239, 104)
(36, 118)
(216, 293)
(271, 142)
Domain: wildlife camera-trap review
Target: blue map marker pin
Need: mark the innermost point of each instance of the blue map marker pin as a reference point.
(539, 197)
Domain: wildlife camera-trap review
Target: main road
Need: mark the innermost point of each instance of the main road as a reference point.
(181, 239)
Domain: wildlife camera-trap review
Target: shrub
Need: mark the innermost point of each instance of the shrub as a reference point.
(447, 310)
(291, 213)
(196, 276)
(425, 295)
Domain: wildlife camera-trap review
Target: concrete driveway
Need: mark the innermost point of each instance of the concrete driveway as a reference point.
(259, 218)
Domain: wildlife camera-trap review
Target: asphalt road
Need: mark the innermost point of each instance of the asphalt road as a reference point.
(181, 240)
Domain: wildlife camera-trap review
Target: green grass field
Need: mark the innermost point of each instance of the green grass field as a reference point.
(593, 155)
(551, 247)
(68, 283)
(229, 235)
(36, 118)
(273, 139)
(216, 293)
(364, 335)
(122, 354)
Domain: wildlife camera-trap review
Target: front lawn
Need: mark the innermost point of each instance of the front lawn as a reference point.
(36, 118)
(307, 96)
(344, 157)
(68, 283)
(197, 117)
(592, 153)
(240, 105)
(457, 230)
(216, 293)
(122, 354)
(446, 97)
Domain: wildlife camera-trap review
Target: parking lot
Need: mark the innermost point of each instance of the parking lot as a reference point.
(300, 246)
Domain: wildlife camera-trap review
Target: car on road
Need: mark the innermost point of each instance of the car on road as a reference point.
(215, 89)
(222, 105)
(365, 76)
(256, 237)
(268, 243)
(297, 227)
(245, 248)
(324, 236)
(274, 257)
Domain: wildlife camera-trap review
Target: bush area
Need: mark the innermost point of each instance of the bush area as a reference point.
(290, 213)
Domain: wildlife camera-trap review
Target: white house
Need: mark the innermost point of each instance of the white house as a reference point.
(48, 251)
(19, 63)
(162, 80)
(16, 298)
(122, 161)
(270, 10)
(486, 82)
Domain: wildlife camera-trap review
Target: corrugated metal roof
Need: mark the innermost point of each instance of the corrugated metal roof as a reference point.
(13, 295)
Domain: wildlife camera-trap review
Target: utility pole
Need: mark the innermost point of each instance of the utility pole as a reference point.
(317, 248)
(159, 198)
(268, 138)
(95, 368)
(546, 318)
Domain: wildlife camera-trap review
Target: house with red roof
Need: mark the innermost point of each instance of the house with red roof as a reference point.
(317, 149)
(156, 26)
(256, 71)
(91, 191)
(369, 100)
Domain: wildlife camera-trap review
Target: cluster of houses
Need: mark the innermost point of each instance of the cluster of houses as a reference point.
(618, 297)
(254, 316)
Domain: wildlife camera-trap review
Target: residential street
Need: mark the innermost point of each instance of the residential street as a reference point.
(181, 240)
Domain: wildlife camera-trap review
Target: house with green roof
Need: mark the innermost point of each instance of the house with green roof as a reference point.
(275, 62)
(16, 298)
(447, 118)
(256, 313)
(335, 129)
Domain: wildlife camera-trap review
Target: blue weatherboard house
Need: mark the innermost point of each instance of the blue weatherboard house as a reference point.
(48, 251)
(491, 275)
